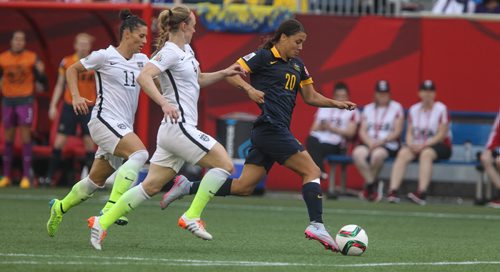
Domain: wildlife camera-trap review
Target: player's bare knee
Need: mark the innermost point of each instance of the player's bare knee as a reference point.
(427, 155)
(99, 181)
(485, 158)
(246, 191)
(359, 154)
(151, 189)
(312, 173)
(228, 167)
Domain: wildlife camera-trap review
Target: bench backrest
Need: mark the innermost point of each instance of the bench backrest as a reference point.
(476, 134)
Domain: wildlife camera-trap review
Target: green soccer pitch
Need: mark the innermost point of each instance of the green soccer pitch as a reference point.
(250, 234)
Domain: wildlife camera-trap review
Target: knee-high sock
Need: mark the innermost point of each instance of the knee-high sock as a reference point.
(130, 200)
(126, 174)
(27, 157)
(80, 192)
(224, 190)
(311, 192)
(210, 184)
(7, 159)
(54, 162)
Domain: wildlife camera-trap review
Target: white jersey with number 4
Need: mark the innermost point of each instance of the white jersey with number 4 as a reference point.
(179, 79)
(117, 88)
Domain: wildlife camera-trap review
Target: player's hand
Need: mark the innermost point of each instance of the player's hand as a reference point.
(40, 67)
(416, 148)
(345, 105)
(52, 112)
(233, 70)
(170, 113)
(256, 95)
(80, 105)
(376, 143)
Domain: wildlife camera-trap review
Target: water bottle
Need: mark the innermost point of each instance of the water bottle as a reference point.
(468, 151)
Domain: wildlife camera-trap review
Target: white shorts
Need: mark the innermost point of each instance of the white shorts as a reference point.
(178, 143)
(106, 134)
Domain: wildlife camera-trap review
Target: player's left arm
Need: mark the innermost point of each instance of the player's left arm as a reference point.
(1, 77)
(398, 128)
(313, 98)
(440, 135)
(39, 73)
(206, 79)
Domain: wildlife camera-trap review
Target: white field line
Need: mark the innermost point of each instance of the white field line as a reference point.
(102, 260)
(434, 215)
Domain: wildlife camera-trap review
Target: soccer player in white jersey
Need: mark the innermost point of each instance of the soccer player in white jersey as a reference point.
(332, 128)
(379, 133)
(427, 139)
(178, 138)
(111, 124)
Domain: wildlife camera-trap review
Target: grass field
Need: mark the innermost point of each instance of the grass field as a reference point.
(250, 234)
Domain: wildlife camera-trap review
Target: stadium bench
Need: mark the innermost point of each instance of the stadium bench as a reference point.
(465, 127)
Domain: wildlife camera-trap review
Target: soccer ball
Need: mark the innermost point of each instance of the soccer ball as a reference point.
(352, 240)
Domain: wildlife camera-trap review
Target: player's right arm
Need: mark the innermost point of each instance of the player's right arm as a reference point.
(254, 94)
(58, 90)
(250, 63)
(409, 134)
(79, 103)
(160, 62)
(94, 61)
(363, 133)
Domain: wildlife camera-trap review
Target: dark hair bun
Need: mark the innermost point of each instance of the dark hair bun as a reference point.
(125, 14)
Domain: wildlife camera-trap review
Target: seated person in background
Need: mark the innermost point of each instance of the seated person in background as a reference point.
(381, 127)
(427, 139)
(488, 6)
(490, 159)
(69, 120)
(331, 129)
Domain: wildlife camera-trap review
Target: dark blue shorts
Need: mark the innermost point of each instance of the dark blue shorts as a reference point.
(271, 144)
(69, 120)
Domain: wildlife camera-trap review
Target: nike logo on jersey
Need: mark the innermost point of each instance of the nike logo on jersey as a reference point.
(210, 191)
(129, 179)
(112, 63)
(130, 206)
(273, 62)
(320, 196)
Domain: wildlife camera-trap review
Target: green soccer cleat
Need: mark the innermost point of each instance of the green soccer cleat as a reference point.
(56, 216)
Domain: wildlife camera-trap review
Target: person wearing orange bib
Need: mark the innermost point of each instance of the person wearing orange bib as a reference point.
(69, 120)
(19, 69)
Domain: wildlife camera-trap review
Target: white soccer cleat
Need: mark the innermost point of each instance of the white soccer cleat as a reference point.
(179, 190)
(316, 231)
(97, 233)
(195, 226)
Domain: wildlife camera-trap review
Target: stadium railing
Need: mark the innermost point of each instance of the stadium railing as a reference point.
(470, 131)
